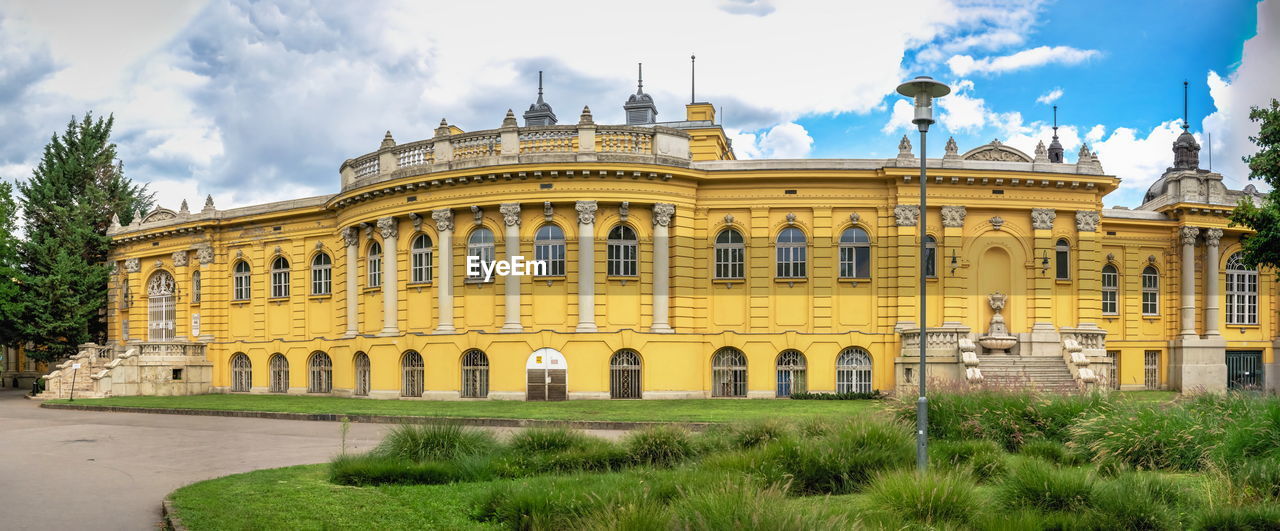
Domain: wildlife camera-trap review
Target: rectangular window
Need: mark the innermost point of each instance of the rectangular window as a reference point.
(280, 283)
(622, 258)
(1110, 291)
(322, 279)
(791, 261)
(420, 270)
(1064, 268)
(1150, 294)
(553, 254)
(1151, 369)
(729, 261)
(930, 261)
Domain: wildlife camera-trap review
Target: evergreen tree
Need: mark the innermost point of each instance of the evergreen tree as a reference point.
(66, 209)
(11, 283)
(1263, 247)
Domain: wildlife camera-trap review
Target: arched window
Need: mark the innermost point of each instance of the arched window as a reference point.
(241, 281)
(855, 253)
(548, 247)
(321, 274)
(853, 371)
(195, 287)
(624, 374)
(279, 374)
(1063, 255)
(622, 249)
(479, 245)
(475, 374)
(791, 254)
(1111, 290)
(930, 257)
(1242, 291)
(362, 374)
(412, 368)
(161, 307)
(319, 373)
(420, 259)
(241, 373)
(1150, 291)
(791, 373)
(374, 271)
(279, 277)
(731, 253)
(729, 373)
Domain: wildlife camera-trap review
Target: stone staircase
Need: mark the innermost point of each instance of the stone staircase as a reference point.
(1046, 374)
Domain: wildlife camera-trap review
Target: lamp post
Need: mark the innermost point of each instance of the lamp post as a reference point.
(923, 89)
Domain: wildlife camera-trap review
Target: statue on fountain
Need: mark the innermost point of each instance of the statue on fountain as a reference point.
(997, 339)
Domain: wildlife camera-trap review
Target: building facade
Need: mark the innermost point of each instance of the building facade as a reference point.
(675, 271)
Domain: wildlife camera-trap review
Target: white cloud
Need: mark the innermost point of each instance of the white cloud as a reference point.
(963, 65)
(1137, 160)
(961, 112)
(1253, 84)
(784, 141)
(1049, 97)
(900, 118)
(757, 8)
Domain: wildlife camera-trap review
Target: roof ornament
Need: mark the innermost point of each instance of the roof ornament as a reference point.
(585, 118)
(952, 149)
(387, 141)
(640, 108)
(1055, 147)
(184, 209)
(443, 128)
(539, 112)
(510, 119)
(208, 204)
(693, 76)
(1042, 154)
(904, 149)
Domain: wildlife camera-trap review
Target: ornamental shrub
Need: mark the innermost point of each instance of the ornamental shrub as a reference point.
(930, 499)
(428, 442)
(1038, 485)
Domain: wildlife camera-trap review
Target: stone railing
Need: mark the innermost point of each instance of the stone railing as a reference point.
(1082, 349)
(939, 341)
(171, 349)
(584, 142)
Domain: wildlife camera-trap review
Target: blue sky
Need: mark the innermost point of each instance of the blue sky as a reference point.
(261, 101)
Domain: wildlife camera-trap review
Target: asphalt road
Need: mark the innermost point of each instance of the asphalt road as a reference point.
(70, 470)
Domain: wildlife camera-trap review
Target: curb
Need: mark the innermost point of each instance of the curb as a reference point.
(171, 520)
(390, 419)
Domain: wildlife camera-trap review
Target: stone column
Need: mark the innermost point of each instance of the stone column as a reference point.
(511, 283)
(444, 281)
(351, 238)
(662, 214)
(1211, 239)
(586, 266)
(1188, 287)
(389, 230)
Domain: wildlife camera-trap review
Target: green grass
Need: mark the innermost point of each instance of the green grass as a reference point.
(706, 410)
(301, 497)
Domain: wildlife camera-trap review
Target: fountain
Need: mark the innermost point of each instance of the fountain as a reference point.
(997, 338)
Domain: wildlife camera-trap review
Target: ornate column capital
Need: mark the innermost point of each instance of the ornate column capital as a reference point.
(1189, 235)
(1042, 218)
(1212, 237)
(586, 212)
(132, 265)
(953, 216)
(510, 214)
(350, 236)
(906, 215)
(1087, 220)
(204, 254)
(443, 218)
(662, 213)
(179, 258)
(388, 227)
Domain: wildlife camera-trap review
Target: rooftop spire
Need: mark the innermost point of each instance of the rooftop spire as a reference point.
(1184, 106)
(1055, 147)
(540, 112)
(693, 76)
(639, 107)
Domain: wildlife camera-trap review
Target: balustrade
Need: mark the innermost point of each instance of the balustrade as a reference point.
(476, 146)
(548, 141)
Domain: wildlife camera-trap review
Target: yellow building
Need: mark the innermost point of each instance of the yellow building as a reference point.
(674, 270)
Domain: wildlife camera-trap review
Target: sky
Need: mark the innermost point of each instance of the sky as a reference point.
(254, 102)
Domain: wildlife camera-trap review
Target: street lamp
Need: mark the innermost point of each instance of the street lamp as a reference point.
(923, 89)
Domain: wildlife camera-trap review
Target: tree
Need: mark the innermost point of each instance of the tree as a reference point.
(67, 207)
(1263, 246)
(11, 299)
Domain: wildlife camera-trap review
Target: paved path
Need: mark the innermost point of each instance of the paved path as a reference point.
(73, 470)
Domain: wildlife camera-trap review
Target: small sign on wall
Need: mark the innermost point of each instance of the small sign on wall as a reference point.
(195, 324)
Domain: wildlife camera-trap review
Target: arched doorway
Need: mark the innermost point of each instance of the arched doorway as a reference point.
(547, 375)
(161, 307)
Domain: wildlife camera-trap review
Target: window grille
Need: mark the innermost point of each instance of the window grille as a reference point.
(195, 287)
(412, 367)
(241, 373)
(624, 375)
(320, 373)
(362, 374)
(279, 374)
(1113, 370)
(791, 373)
(475, 374)
(161, 307)
(853, 371)
(729, 373)
(1151, 369)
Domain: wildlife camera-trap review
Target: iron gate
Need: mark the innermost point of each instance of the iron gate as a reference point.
(1244, 369)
